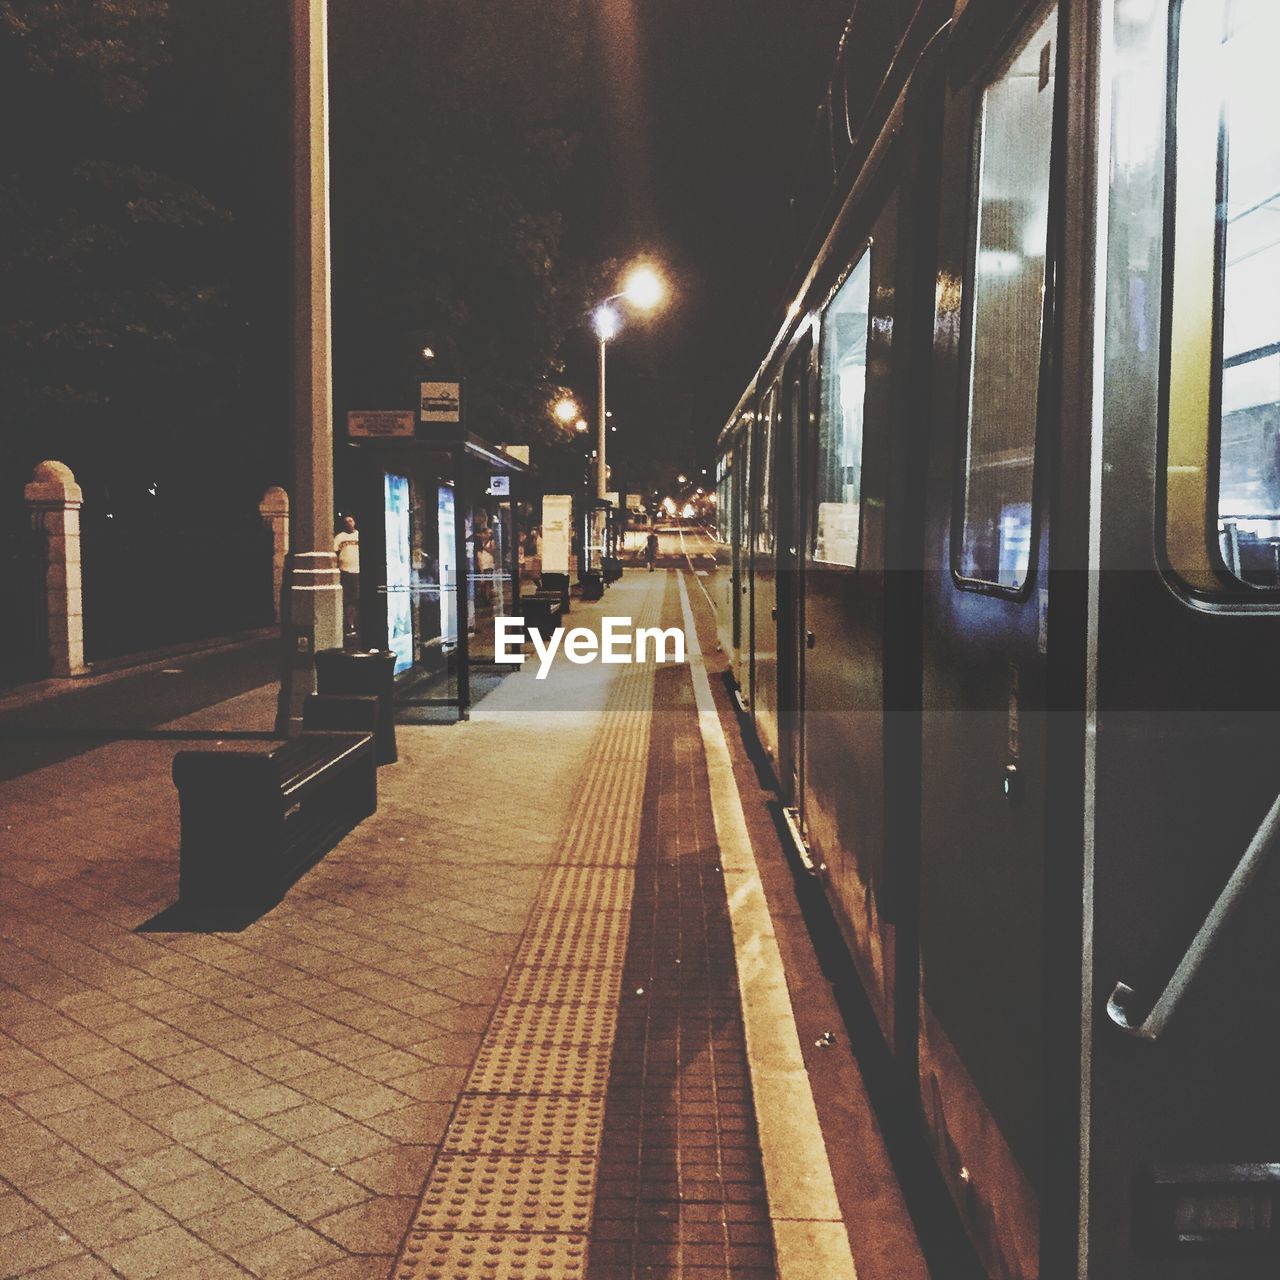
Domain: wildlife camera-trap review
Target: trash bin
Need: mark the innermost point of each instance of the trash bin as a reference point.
(365, 673)
(556, 582)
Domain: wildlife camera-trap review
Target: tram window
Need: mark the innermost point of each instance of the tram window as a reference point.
(766, 429)
(838, 491)
(1224, 367)
(1013, 139)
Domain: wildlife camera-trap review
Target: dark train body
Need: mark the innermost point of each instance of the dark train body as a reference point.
(1000, 516)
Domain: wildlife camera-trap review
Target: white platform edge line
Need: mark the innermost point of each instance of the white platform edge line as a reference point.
(811, 1241)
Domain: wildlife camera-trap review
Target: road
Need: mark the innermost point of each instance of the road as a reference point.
(685, 545)
(133, 705)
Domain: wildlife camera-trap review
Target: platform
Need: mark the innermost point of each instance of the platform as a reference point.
(551, 1012)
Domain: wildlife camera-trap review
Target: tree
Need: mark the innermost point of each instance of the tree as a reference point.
(451, 149)
(111, 295)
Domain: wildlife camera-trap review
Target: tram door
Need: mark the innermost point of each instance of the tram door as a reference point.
(764, 571)
(984, 648)
(791, 488)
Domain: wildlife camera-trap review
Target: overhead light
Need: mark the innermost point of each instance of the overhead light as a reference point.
(606, 323)
(645, 288)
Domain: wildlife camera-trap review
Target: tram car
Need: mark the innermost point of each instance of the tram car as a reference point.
(1000, 585)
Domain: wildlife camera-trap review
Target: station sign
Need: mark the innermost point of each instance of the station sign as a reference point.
(500, 486)
(440, 402)
(380, 424)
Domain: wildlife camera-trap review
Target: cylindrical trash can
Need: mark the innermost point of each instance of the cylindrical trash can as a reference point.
(368, 673)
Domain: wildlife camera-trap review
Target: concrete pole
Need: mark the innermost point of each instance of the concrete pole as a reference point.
(274, 510)
(54, 499)
(313, 607)
(602, 474)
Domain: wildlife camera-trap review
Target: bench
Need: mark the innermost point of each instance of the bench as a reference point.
(256, 816)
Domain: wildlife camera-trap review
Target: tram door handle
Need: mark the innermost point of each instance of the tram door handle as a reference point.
(809, 639)
(773, 613)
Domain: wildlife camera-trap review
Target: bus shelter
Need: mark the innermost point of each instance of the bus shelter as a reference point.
(440, 561)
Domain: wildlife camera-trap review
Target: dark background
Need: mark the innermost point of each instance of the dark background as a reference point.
(496, 164)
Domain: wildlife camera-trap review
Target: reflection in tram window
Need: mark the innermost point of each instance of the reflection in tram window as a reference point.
(840, 427)
(1224, 363)
(1007, 282)
(766, 431)
(1249, 475)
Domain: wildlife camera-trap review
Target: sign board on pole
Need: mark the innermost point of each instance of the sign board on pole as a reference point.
(380, 424)
(634, 502)
(611, 499)
(440, 402)
(557, 527)
(500, 486)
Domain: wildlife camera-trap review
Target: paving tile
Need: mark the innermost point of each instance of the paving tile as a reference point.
(262, 1171)
(198, 1193)
(376, 1226)
(318, 1195)
(160, 1253)
(346, 1144)
(238, 1223)
(80, 1266)
(285, 1256)
(17, 1214)
(26, 1251)
(397, 1171)
(307, 1121)
(78, 1192)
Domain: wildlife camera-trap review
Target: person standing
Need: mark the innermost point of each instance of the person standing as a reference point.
(346, 546)
(651, 548)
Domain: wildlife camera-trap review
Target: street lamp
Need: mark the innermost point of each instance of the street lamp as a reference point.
(644, 290)
(566, 410)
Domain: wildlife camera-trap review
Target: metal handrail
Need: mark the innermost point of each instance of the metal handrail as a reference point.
(1123, 1002)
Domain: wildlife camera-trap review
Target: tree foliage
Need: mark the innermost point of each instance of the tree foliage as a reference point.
(110, 281)
(451, 150)
(106, 47)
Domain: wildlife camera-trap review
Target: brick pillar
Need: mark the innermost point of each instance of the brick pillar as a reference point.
(274, 510)
(54, 499)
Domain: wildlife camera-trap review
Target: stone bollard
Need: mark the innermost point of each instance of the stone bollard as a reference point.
(274, 510)
(54, 499)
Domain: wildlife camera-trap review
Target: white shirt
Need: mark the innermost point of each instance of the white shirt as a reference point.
(347, 547)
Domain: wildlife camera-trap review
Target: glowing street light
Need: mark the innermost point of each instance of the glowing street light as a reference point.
(566, 410)
(644, 289)
(607, 322)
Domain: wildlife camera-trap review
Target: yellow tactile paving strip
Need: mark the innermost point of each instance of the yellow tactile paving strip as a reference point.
(511, 1195)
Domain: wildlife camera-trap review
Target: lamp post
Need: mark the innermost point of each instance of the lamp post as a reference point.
(644, 290)
(606, 325)
(312, 613)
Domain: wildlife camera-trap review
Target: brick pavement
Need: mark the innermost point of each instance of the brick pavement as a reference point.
(681, 1189)
(292, 1099)
(265, 1102)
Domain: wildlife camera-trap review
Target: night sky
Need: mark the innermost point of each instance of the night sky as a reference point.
(691, 118)
(702, 110)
